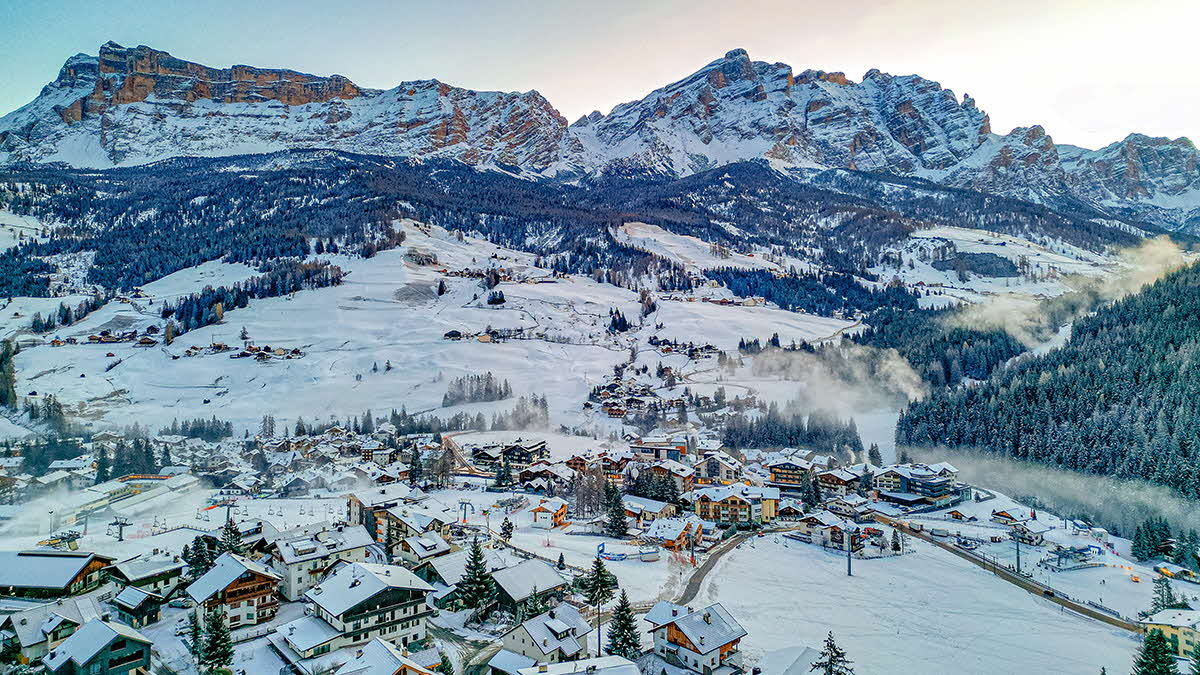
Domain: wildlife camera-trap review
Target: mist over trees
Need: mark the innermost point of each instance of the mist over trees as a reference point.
(1120, 398)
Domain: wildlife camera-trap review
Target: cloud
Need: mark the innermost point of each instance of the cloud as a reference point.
(846, 377)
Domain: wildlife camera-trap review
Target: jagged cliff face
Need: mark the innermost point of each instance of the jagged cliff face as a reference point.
(735, 109)
(136, 105)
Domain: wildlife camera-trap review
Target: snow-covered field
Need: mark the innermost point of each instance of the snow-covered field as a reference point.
(926, 611)
(386, 311)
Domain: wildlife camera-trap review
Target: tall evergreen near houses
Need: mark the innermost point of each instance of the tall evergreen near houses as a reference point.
(1155, 657)
(8, 386)
(506, 529)
(218, 645)
(623, 638)
(477, 589)
(231, 539)
(615, 524)
(598, 586)
(416, 469)
(833, 660)
(504, 475)
(103, 468)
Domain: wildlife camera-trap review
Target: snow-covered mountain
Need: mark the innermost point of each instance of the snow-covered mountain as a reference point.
(137, 105)
(131, 106)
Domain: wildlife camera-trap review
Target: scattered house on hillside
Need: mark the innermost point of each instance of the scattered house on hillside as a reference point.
(356, 603)
(301, 559)
(684, 476)
(705, 641)
(1181, 628)
(155, 572)
(645, 511)
(1013, 515)
(524, 580)
(736, 504)
(550, 513)
(101, 648)
(49, 573)
(364, 506)
(421, 547)
(33, 632)
(444, 572)
(676, 534)
(1030, 533)
(718, 467)
(138, 608)
(935, 484)
(380, 657)
(560, 634)
(238, 587)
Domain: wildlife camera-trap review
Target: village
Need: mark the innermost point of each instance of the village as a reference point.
(368, 551)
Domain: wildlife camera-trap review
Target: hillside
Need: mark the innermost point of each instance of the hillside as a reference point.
(1118, 398)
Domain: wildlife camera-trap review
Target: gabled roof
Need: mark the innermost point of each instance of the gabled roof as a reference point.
(453, 566)
(43, 568)
(355, 583)
(709, 629)
(226, 570)
(379, 657)
(509, 662)
(32, 625)
(664, 612)
(322, 543)
(560, 629)
(521, 580)
(427, 544)
(85, 643)
(132, 597)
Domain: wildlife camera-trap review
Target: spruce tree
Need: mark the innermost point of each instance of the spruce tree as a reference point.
(833, 660)
(506, 529)
(476, 590)
(598, 587)
(231, 539)
(614, 523)
(445, 667)
(623, 638)
(1155, 657)
(103, 469)
(197, 638)
(562, 562)
(218, 645)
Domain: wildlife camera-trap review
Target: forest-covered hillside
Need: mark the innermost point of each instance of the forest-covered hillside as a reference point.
(1121, 397)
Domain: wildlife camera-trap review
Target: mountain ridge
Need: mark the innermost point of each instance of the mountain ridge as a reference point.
(128, 106)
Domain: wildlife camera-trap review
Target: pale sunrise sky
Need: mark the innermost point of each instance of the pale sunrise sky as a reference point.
(1089, 72)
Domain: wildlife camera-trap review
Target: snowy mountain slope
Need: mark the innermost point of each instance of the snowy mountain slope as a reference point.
(137, 105)
(130, 106)
(386, 311)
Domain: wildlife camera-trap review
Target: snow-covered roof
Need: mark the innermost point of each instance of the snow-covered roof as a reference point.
(551, 504)
(601, 665)
(322, 544)
(452, 567)
(427, 544)
(355, 583)
(41, 569)
(132, 597)
(227, 568)
(664, 612)
(560, 629)
(33, 625)
(85, 643)
(709, 629)
(669, 529)
(379, 657)
(386, 494)
(639, 504)
(521, 580)
(307, 632)
(1180, 618)
(510, 663)
(140, 567)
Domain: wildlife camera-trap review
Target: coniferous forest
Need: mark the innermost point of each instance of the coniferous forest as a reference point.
(1120, 398)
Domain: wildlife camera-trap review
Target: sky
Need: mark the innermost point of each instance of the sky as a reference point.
(1090, 72)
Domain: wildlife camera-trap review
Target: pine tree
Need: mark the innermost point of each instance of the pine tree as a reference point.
(615, 525)
(476, 590)
(197, 637)
(103, 469)
(506, 529)
(504, 474)
(562, 562)
(833, 660)
(623, 638)
(415, 471)
(1155, 657)
(598, 587)
(218, 645)
(231, 539)
(874, 456)
(896, 540)
(445, 667)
